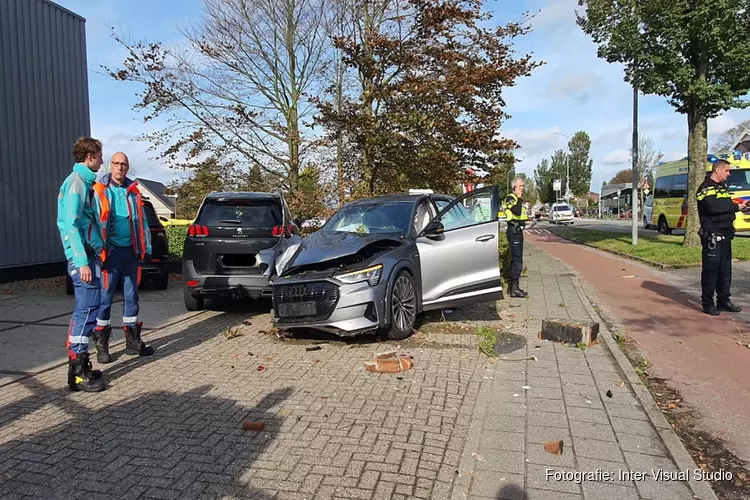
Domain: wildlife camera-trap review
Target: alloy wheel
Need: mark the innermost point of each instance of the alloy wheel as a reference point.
(403, 304)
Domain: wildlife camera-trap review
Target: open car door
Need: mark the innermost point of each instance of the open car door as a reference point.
(458, 251)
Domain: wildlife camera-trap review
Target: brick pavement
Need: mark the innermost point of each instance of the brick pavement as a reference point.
(561, 396)
(170, 426)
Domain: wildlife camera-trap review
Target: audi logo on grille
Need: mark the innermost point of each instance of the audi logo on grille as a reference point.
(296, 291)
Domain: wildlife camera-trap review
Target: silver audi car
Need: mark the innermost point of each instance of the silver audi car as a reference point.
(378, 263)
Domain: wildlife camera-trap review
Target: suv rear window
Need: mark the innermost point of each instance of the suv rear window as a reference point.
(151, 218)
(245, 213)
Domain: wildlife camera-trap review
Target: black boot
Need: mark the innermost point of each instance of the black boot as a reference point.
(515, 291)
(710, 309)
(81, 377)
(102, 344)
(728, 306)
(133, 343)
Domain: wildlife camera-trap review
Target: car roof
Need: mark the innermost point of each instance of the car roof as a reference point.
(390, 198)
(242, 195)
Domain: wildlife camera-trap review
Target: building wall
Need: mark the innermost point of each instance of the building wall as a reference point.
(160, 208)
(45, 108)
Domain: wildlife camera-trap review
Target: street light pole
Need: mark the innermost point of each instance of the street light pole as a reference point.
(634, 191)
(567, 165)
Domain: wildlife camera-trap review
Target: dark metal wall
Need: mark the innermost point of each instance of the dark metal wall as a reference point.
(44, 108)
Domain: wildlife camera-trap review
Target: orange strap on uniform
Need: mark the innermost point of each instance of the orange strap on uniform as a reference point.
(101, 190)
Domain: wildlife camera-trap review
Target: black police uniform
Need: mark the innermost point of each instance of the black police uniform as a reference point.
(717, 213)
(516, 217)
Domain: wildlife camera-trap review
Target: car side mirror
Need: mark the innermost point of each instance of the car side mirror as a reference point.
(434, 230)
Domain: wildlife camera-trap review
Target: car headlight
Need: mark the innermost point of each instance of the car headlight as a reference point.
(371, 275)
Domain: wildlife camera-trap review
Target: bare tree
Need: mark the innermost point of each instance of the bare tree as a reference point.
(726, 140)
(648, 159)
(240, 89)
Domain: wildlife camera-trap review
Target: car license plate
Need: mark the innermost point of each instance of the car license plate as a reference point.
(293, 309)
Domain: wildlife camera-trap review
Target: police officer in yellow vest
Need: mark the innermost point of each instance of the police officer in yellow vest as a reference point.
(515, 214)
(717, 213)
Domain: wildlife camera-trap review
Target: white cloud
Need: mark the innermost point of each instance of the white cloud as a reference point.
(578, 86)
(617, 157)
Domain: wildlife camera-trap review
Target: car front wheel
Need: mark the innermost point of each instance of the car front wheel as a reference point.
(403, 308)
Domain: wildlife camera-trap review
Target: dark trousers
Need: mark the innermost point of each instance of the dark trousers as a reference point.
(716, 276)
(121, 263)
(515, 241)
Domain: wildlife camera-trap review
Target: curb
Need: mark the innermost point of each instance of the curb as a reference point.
(701, 489)
(626, 256)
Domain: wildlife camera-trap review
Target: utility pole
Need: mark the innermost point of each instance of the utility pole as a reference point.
(567, 166)
(634, 192)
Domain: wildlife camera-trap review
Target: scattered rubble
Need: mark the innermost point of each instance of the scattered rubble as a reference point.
(389, 362)
(249, 425)
(569, 331)
(554, 447)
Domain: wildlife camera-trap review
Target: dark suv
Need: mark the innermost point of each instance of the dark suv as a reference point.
(158, 267)
(231, 247)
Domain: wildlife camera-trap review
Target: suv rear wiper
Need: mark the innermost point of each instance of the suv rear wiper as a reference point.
(233, 221)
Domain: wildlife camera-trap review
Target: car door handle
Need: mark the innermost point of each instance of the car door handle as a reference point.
(486, 237)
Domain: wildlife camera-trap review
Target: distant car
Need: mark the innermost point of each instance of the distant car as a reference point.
(648, 210)
(561, 213)
(379, 262)
(231, 248)
(157, 268)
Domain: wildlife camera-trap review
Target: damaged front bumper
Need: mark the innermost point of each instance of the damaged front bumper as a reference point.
(327, 304)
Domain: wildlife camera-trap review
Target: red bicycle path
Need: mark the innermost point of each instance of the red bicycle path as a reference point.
(697, 353)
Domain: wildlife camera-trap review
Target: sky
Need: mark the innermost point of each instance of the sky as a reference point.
(574, 90)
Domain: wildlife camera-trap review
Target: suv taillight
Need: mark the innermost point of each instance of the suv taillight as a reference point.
(197, 230)
(281, 231)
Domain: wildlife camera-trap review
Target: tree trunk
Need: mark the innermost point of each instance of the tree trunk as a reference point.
(697, 151)
(292, 126)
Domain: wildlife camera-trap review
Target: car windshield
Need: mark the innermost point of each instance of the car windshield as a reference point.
(739, 180)
(372, 218)
(563, 208)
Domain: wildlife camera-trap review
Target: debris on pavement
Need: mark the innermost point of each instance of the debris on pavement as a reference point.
(609, 393)
(526, 387)
(261, 368)
(249, 425)
(313, 348)
(478, 457)
(231, 333)
(554, 447)
(247, 322)
(390, 362)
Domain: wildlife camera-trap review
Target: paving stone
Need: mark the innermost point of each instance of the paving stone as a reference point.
(602, 450)
(507, 441)
(547, 419)
(602, 432)
(503, 461)
(550, 495)
(601, 491)
(543, 434)
(543, 477)
(490, 484)
(578, 414)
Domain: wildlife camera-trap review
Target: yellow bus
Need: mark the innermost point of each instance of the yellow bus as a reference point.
(670, 192)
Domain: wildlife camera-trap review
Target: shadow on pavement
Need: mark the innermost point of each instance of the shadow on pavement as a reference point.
(160, 443)
(675, 295)
(164, 347)
(511, 492)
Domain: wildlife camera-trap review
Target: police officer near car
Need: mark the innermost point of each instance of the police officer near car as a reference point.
(516, 217)
(717, 213)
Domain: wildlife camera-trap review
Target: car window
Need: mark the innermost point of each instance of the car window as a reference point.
(372, 218)
(151, 217)
(472, 210)
(739, 180)
(563, 208)
(245, 213)
(423, 216)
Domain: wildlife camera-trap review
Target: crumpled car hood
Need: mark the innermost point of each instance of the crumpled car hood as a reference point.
(323, 246)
